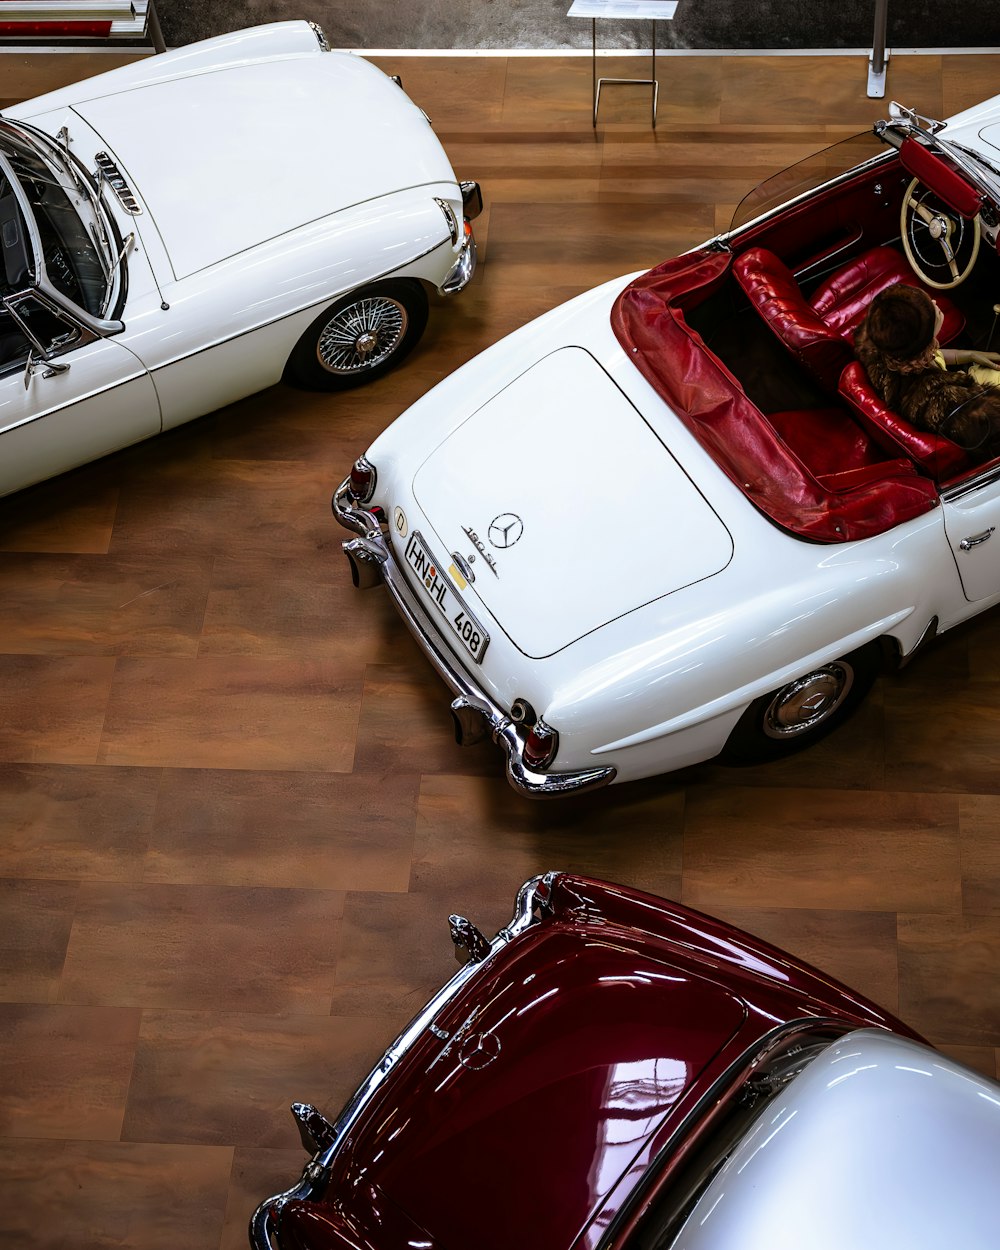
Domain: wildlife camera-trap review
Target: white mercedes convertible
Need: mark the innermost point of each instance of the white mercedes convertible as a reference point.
(181, 232)
(672, 520)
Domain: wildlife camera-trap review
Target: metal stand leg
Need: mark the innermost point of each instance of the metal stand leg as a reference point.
(593, 49)
(598, 83)
(878, 62)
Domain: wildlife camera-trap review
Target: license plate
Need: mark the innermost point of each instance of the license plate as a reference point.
(442, 594)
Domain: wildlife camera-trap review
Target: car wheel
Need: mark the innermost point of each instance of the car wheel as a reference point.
(804, 710)
(360, 337)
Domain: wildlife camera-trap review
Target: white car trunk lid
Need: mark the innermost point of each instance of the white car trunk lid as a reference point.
(211, 148)
(567, 506)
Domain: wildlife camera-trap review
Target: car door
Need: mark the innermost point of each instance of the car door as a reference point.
(971, 521)
(67, 396)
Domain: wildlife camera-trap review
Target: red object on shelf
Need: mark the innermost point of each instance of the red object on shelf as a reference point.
(57, 30)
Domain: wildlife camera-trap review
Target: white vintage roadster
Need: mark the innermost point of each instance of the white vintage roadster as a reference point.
(671, 519)
(181, 232)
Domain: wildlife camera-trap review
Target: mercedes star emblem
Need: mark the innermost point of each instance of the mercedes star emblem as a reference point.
(479, 1050)
(505, 530)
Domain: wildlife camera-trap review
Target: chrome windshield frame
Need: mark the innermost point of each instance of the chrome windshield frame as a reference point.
(25, 207)
(108, 247)
(904, 124)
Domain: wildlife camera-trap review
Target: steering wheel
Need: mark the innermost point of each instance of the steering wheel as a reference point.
(940, 245)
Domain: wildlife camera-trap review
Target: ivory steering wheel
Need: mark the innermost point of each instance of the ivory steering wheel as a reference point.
(940, 245)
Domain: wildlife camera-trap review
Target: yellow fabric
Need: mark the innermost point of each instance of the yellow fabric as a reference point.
(983, 374)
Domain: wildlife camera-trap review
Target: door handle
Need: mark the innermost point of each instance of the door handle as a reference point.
(975, 539)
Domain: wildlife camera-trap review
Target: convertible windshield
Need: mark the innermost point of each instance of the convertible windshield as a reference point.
(66, 223)
(820, 167)
(806, 175)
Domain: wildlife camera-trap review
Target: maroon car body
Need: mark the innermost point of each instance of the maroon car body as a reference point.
(568, 1068)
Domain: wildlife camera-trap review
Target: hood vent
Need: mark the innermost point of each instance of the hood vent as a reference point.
(109, 172)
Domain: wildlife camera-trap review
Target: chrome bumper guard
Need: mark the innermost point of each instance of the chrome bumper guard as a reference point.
(532, 898)
(461, 272)
(463, 269)
(475, 714)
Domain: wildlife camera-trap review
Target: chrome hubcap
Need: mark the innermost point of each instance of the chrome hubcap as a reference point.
(362, 335)
(805, 704)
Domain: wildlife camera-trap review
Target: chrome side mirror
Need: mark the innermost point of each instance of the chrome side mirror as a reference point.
(50, 369)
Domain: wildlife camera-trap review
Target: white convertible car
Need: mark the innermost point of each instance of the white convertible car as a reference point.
(671, 519)
(181, 232)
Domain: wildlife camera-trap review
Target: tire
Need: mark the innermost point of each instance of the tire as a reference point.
(803, 711)
(360, 337)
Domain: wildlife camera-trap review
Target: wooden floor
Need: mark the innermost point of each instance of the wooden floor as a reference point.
(232, 817)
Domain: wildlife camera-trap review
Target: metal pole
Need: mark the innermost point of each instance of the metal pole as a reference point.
(593, 66)
(878, 62)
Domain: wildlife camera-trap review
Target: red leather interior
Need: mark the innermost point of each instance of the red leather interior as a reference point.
(842, 299)
(819, 331)
(785, 464)
(938, 457)
(940, 178)
(771, 288)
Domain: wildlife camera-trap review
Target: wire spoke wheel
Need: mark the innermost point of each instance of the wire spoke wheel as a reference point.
(362, 335)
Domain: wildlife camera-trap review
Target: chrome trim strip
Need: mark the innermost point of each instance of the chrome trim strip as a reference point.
(32, 417)
(307, 308)
(317, 1171)
(929, 634)
(985, 477)
(372, 552)
(321, 38)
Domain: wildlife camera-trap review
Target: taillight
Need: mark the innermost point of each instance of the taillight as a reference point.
(540, 747)
(363, 479)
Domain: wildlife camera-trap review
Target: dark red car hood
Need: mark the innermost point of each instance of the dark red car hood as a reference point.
(550, 1080)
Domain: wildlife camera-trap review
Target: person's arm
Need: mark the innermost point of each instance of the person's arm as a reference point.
(965, 356)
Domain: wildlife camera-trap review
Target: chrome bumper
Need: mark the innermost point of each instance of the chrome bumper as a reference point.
(461, 272)
(475, 714)
(531, 903)
(463, 269)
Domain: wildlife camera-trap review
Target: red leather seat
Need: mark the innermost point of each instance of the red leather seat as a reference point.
(842, 299)
(939, 458)
(819, 331)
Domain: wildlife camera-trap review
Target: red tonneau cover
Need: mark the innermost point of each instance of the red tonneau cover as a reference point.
(648, 320)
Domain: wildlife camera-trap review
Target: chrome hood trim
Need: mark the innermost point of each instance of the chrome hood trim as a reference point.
(530, 899)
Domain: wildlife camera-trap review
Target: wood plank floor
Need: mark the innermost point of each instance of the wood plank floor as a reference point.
(232, 818)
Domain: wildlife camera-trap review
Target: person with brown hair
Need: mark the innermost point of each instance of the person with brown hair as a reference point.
(917, 378)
